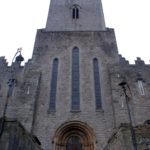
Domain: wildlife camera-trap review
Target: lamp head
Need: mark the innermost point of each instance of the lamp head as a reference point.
(19, 58)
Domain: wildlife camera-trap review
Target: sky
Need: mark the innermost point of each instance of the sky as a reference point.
(20, 19)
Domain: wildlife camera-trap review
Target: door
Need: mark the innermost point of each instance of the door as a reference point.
(74, 143)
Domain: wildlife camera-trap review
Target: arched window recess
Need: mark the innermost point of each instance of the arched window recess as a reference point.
(53, 91)
(97, 84)
(75, 11)
(140, 82)
(75, 104)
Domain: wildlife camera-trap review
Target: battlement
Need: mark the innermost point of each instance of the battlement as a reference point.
(3, 62)
(123, 61)
(138, 62)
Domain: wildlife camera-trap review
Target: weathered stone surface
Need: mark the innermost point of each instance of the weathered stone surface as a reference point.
(91, 16)
(15, 137)
(122, 138)
(30, 98)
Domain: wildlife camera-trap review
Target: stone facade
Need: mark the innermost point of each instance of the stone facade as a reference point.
(15, 137)
(30, 99)
(91, 16)
(122, 138)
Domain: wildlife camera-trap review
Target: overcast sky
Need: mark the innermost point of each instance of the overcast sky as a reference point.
(19, 20)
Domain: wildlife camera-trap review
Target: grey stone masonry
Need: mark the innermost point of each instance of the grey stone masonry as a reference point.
(30, 100)
(15, 137)
(74, 98)
(91, 16)
(121, 139)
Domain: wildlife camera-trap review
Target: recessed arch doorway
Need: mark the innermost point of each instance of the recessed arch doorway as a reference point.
(74, 135)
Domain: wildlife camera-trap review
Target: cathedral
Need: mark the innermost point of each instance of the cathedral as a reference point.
(76, 92)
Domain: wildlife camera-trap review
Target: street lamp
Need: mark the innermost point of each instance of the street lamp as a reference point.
(124, 86)
(11, 83)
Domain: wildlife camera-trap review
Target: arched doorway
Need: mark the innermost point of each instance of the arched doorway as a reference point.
(74, 135)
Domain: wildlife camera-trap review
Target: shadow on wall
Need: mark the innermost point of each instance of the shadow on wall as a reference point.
(15, 137)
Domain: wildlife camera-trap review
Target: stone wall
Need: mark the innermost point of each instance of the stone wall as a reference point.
(15, 137)
(30, 100)
(122, 138)
(91, 16)
(139, 103)
(100, 45)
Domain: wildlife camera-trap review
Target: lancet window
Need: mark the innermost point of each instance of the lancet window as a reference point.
(97, 84)
(140, 87)
(52, 105)
(75, 12)
(75, 80)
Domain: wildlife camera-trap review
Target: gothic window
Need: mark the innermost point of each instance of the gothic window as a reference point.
(97, 84)
(75, 12)
(52, 105)
(74, 143)
(75, 80)
(140, 87)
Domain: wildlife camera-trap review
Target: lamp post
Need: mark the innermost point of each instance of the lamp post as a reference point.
(11, 82)
(124, 86)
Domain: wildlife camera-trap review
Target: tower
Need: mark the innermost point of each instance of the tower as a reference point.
(75, 15)
(73, 53)
(68, 94)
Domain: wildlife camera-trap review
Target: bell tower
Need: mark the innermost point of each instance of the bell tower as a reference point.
(76, 93)
(75, 15)
(73, 54)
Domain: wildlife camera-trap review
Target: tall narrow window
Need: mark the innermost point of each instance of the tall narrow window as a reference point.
(140, 87)
(97, 84)
(52, 105)
(75, 12)
(75, 80)
(0, 90)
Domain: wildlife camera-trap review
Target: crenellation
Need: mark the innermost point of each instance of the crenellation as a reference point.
(139, 62)
(3, 61)
(123, 61)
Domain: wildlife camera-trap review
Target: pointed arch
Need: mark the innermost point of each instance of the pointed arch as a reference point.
(75, 11)
(74, 132)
